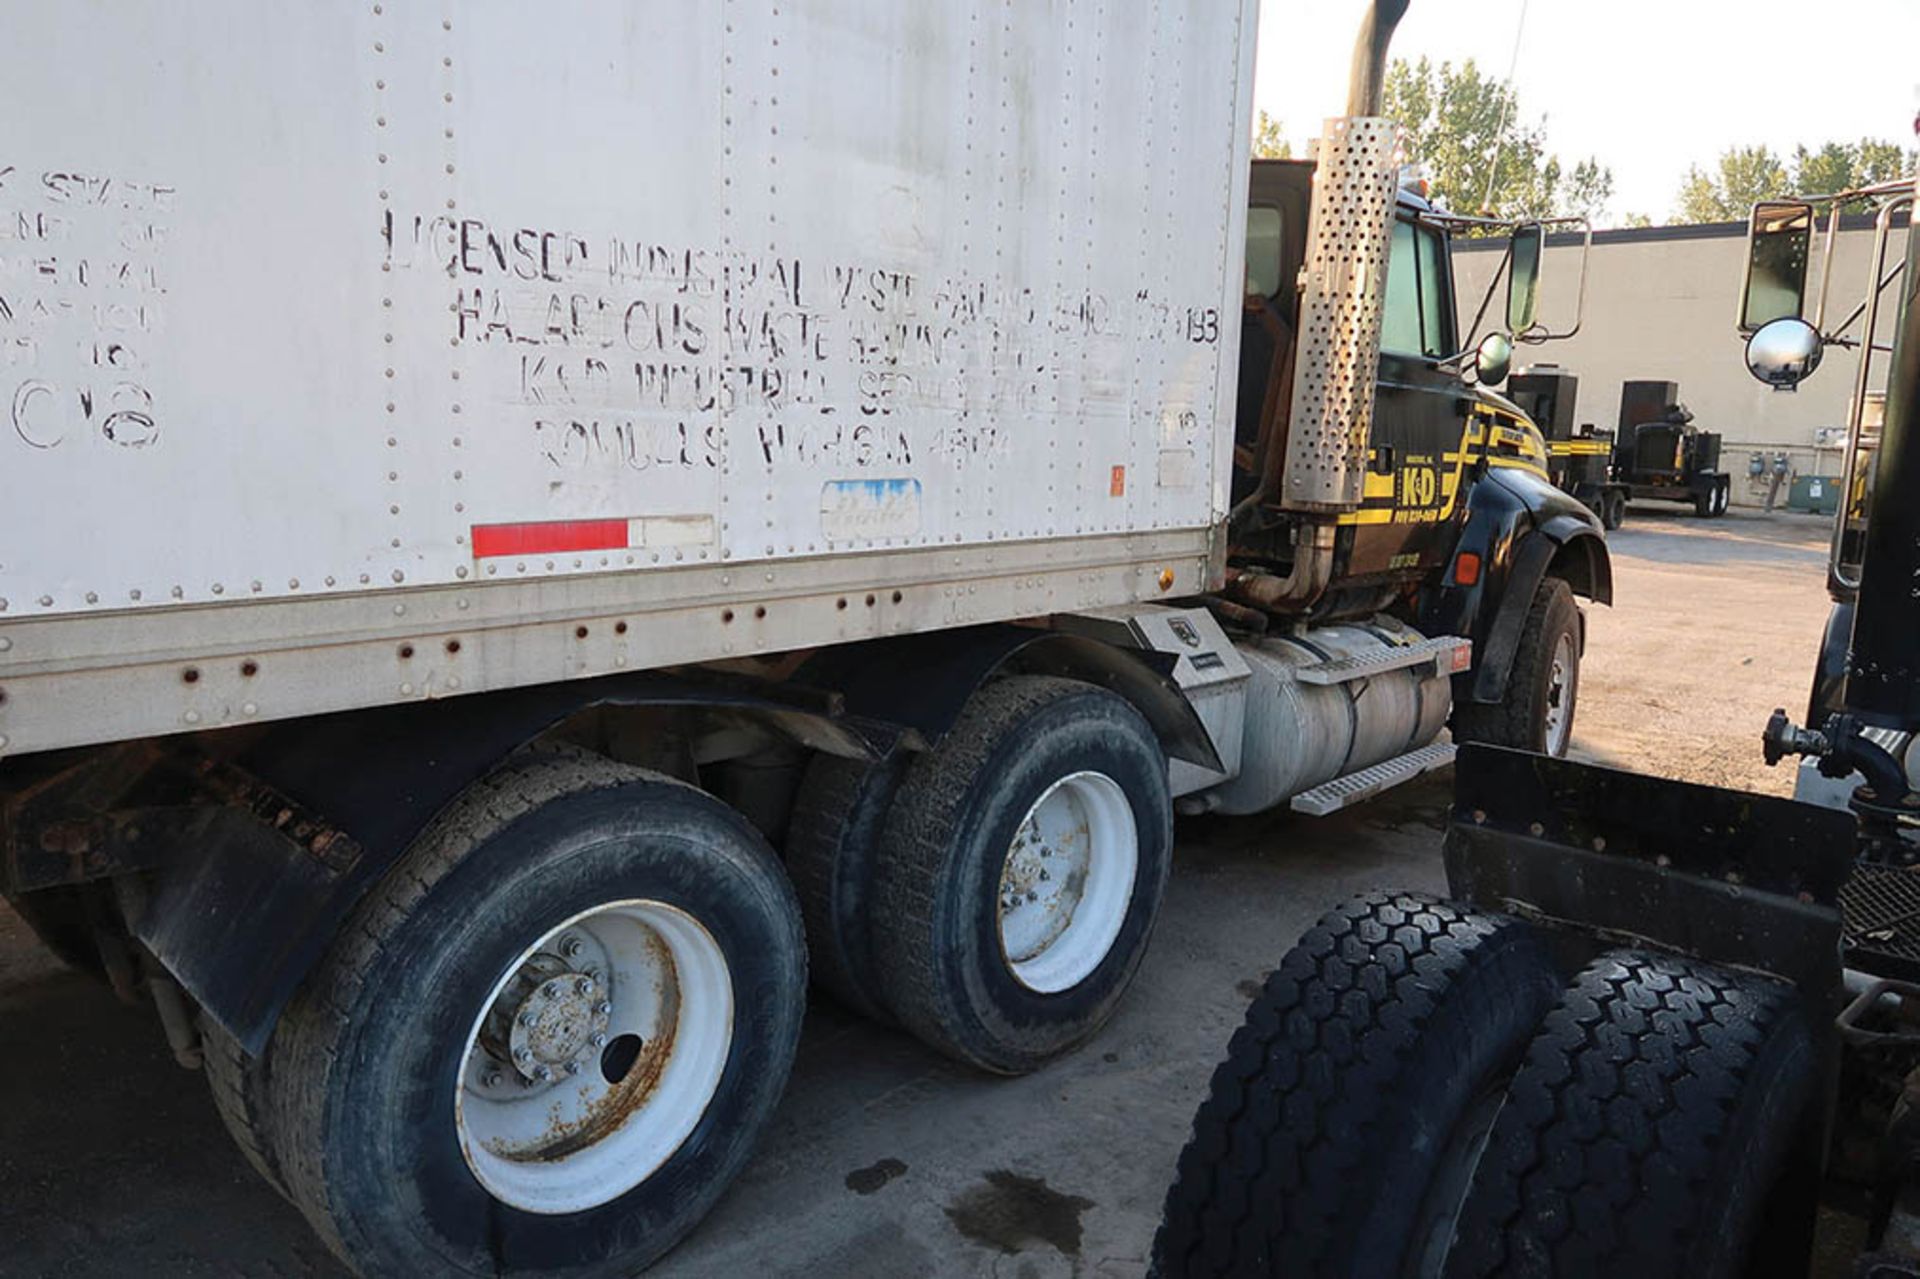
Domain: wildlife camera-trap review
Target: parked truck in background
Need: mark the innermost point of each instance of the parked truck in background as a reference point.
(1579, 458)
(1659, 455)
(513, 555)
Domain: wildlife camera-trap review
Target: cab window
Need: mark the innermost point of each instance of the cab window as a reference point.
(1265, 239)
(1415, 320)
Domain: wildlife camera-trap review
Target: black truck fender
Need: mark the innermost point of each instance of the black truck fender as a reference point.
(1522, 528)
(291, 830)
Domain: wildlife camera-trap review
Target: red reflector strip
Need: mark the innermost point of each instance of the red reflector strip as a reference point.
(1466, 569)
(549, 537)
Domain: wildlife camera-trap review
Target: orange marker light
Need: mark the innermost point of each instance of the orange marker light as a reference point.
(1466, 568)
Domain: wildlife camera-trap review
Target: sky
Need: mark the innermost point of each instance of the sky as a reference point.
(1647, 87)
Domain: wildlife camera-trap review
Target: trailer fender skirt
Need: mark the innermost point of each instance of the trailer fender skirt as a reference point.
(240, 919)
(922, 681)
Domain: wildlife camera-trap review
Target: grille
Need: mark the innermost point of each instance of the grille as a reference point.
(1881, 907)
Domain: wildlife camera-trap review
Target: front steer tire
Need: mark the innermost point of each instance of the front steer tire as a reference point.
(1523, 719)
(1642, 1136)
(1338, 1136)
(950, 838)
(368, 1061)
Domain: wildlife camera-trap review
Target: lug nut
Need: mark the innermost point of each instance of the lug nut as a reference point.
(573, 1068)
(597, 1039)
(551, 990)
(571, 948)
(584, 985)
(523, 1054)
(542, 1073)
(528, 1019)
(491, 1079)
(603, 1008)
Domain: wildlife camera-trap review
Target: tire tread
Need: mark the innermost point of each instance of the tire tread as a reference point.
(1293, 1115)
(1609, 1153)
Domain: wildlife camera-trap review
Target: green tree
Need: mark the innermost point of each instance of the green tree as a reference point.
(1844, 166)
(1742, 176)
(1479, 153)
(1636, 220)
(1269, 143)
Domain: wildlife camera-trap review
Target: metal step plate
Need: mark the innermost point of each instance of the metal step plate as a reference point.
(1453, 653)
(1331, 797)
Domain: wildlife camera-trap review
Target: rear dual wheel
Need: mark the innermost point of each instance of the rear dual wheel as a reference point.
(1413, 1094)
(1340, 1134)
(994, 895)
(1644, 1135)
(548, 1039)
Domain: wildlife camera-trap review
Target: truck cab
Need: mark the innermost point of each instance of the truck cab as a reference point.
(1455, 486)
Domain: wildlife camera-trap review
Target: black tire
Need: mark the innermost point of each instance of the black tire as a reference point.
(59, 917)
(1641, 1137)
(1338, 1136)
(833, 845)
(948, 839)
(1520, 720)
(366, 1061)
(238, 1083)
(1704, 503)
(1613, 512)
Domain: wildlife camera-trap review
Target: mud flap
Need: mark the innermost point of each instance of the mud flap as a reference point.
(1751, 881)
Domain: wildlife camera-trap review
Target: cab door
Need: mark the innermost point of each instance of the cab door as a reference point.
(1418, 447)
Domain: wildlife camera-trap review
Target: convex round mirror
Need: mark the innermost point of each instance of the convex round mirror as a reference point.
(1783, 352)
(1491, 361)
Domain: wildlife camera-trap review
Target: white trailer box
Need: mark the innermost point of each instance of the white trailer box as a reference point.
(593, 336)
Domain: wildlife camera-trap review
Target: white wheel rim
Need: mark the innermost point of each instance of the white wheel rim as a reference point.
(1560, 677)
(548, 1120)
(1067, 882)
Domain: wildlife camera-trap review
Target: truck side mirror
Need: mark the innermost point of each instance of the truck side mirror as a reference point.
(1784, 352)
(1491, 361)
(1523, 280)
(1779, 237)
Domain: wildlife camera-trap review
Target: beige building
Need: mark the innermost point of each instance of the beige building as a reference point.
(1661, 303)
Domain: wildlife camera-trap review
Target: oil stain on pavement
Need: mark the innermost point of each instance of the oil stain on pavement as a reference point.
(864, 1181)
(1009, 1212)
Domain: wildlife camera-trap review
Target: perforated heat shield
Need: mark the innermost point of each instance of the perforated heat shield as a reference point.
(1349, 232)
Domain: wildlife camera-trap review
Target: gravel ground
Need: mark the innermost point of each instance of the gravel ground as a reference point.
(885, 1160)
(1717, 622)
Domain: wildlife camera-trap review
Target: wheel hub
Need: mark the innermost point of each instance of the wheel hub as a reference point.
(550, 1020)
(1066, 882)
(594, 1056)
